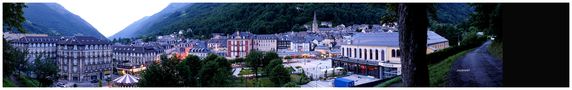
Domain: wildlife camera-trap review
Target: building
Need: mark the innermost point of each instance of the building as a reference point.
(265, 43)
(128, 56)
(375, 54)
(216, 44)
(436, 42)
(83, 58)
(42, 47)
(14, 36)
(283, 43)
(315, 24)
(37, 46)
(239, 44)
(299, 44)
(199, 52)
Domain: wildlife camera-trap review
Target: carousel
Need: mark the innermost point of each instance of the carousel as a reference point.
(126, 80)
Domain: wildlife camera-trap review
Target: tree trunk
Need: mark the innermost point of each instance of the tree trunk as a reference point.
(412, 25)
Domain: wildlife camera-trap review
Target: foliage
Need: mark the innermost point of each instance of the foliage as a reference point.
(389, 82)
(300, 79)
(291, 84)
(46, 71)
(470, 40)
(211, 71)
(122, 40)
(14, 60)
(148, 38)
(496, 49)
(269, 67)
(245, 72)
(449, 31)
(8, 83)
(487, 18)
(279, 75)
(438, 72)
(28, 82)
(260, 18)
(13, 14)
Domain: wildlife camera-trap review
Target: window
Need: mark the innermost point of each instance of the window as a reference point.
(376, 54)
(397, 51)
(392, 52)
(370, 54)
(355, 53)
(382, 55)
(360, 53)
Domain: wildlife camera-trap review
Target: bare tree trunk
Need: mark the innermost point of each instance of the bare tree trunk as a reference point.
(412, 25)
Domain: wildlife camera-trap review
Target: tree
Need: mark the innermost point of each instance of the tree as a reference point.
(487, 18)
(46, 71)
(194, 65)
(412, 26)
(13, 15)
(164, 74)
(215, 72)
(279, 75)
(271, 65)
(253, 60)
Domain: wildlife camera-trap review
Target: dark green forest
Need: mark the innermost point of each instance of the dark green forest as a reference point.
(266, 18)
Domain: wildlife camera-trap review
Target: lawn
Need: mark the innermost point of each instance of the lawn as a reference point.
(438, 72)
(245, 72)
(389, 82)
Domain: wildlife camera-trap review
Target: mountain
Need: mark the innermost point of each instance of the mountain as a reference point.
(55, 20)
(453, 13)
(133, 30)
(259, 18)
(202, 19)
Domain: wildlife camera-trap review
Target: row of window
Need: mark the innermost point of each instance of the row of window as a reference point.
(87, 47)
(86, 61)
(368, 54)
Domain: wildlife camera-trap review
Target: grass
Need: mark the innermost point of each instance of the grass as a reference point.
(296, 78)
(389, 82)
(245, 72)
(27, 82)
(496, 49)
(8, 83)
(438, 72)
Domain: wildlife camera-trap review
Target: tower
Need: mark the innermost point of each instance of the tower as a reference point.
(315, 24)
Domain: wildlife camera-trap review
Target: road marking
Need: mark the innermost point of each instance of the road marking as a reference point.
(463, 70)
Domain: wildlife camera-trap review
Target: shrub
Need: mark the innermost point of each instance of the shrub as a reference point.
(471, 40)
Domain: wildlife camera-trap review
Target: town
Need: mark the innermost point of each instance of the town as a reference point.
(325, 53)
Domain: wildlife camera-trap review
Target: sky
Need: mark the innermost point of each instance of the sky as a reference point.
(111, 17)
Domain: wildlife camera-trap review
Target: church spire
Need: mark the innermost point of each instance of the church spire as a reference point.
(315, 23)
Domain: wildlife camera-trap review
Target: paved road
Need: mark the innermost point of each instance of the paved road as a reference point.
(477, 68)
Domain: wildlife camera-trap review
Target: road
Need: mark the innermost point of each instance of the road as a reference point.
(477, 68)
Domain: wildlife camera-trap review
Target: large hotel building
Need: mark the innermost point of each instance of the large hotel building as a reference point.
(377, 54)
(79, 58)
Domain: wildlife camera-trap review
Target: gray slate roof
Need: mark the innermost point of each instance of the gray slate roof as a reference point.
(389, 39)
(38, 39)
(83, 40)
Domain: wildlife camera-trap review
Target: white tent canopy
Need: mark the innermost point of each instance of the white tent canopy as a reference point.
(126, 79)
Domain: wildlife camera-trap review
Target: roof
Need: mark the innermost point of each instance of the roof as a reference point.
(134, 49)
(83, 40)
(266, 37)
(433, 37)
(199, 50)
(38, 39)
(389, 39)
(243, 35)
